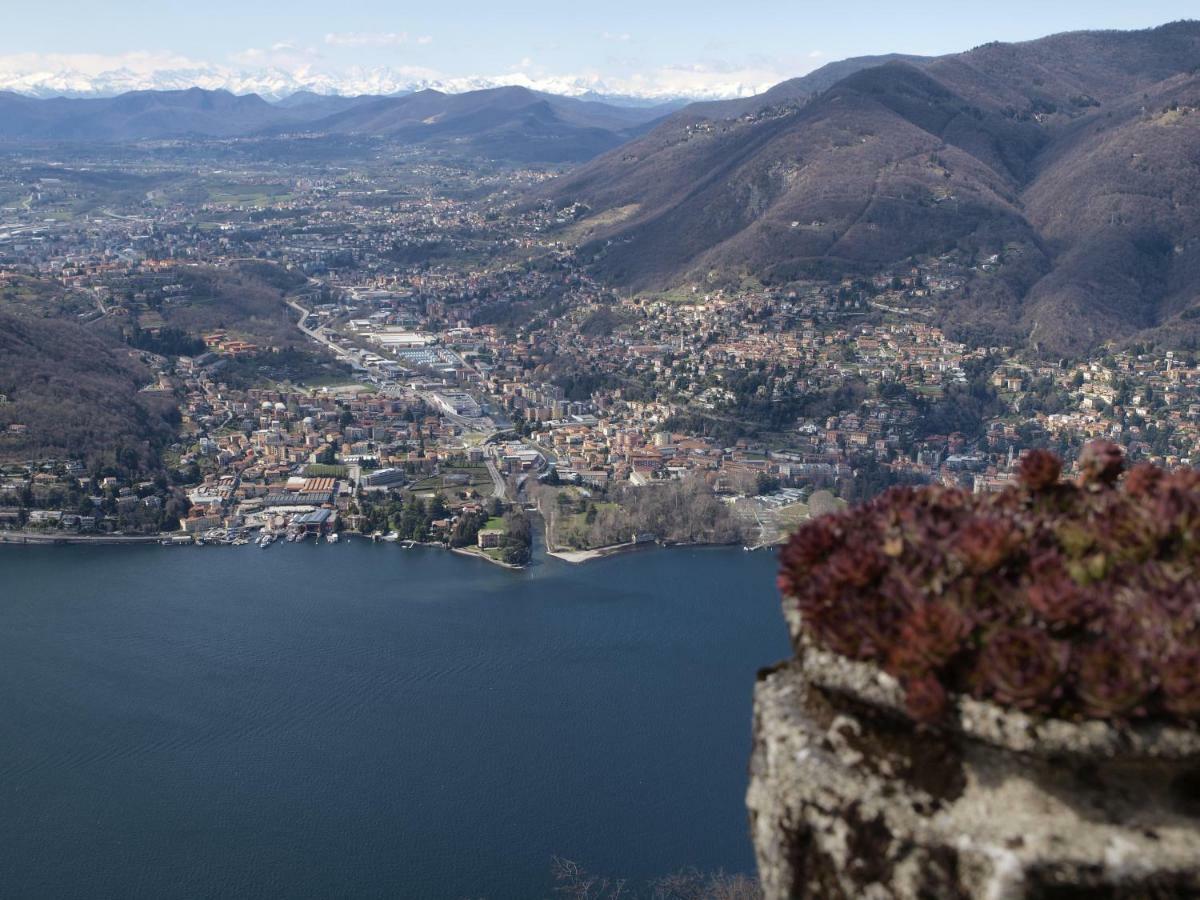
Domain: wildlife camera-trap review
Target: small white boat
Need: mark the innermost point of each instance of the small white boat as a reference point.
(332, 537)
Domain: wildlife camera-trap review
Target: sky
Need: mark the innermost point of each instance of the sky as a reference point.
(651, 48)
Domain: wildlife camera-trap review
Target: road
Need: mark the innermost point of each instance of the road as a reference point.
(483, 425)
(901, 311)
(497, 480)
(318, 335)
(101, 308)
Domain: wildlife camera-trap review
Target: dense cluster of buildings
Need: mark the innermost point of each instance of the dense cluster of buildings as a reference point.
(470, 332)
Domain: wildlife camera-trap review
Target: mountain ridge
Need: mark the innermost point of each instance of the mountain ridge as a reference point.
(511, 123)
(986, 151)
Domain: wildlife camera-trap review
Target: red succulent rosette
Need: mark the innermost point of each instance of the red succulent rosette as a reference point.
(1101, 463)
(930, 637)
(1039, 470)
(1110, 680)
(1143, 480)
(1053, 594)
(1179, 679)
(1022, 667)
(1076, 600)
(925, 699)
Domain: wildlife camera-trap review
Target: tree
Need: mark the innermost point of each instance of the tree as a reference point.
(822, 503)
(516, 547)
(466, 529)
(766, 484)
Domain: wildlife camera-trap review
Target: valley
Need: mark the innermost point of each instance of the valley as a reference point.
(882, 273)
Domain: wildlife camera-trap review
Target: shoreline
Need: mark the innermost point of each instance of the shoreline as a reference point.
(579, 557)
(475, 554)
(37, 537)
(570, 557)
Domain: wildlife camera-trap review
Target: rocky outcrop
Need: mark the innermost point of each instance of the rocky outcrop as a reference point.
(850, 799)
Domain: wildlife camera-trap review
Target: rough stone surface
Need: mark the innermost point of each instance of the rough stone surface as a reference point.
(848, 799)
(1003, 727)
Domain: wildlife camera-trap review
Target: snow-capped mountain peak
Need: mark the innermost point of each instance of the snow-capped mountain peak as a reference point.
(276, 83)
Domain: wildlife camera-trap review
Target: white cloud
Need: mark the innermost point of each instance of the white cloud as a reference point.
(366, 38)
(94, 63)
(284, 67)
(701, 80)
(623, 37)
(281, 54)
(425, 39)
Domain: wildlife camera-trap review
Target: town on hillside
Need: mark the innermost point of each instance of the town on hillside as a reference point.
(413, 353)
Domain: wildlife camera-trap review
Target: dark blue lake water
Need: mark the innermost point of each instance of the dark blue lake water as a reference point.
(361, 720)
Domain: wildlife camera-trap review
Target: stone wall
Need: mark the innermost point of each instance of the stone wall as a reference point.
(850, 799)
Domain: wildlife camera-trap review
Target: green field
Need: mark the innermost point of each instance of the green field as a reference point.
(477, 476)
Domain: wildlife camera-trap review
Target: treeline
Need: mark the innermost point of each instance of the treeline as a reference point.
(247, 298)
(413, 518)
(73, 394)
(166, 342)
(153, 508)
(299, 365)
(754, 411)
(516, 547)
(679, 512)
(964, 408)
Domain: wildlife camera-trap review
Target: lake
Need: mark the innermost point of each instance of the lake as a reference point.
(362, 720)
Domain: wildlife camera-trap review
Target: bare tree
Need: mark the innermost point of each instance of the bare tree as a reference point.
(573, 881)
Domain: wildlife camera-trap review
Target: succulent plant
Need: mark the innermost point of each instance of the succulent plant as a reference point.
(930, 636)
(1073, 599)
(1021, 667)
(1039, 470)
(1053, 595)
(1179, 676)
(1111, 679)
(925, 699)
(1101, 463)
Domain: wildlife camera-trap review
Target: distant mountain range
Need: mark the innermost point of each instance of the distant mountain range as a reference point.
(277, 83)
(510, 123)
(1075, 158)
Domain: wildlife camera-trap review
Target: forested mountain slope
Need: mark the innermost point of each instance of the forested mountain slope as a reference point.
(1076, 157)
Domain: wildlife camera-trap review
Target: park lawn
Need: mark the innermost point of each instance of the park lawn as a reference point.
(794, 514)
(579, 520)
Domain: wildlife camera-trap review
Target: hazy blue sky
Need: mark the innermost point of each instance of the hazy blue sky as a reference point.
(693, 45)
